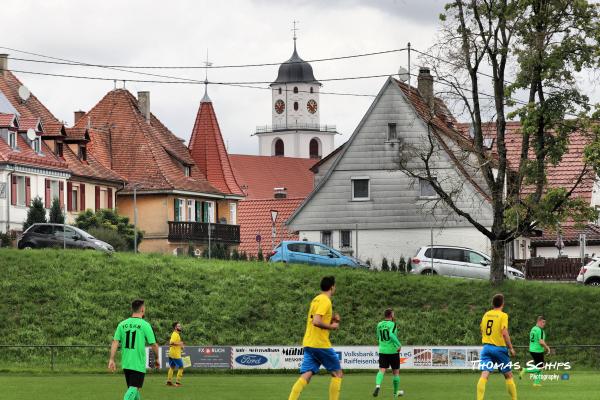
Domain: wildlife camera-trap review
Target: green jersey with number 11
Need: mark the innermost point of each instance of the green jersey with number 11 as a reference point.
(133, 334)
(388, 339)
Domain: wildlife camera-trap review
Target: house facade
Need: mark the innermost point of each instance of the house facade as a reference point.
(177, 207)
(365, 205)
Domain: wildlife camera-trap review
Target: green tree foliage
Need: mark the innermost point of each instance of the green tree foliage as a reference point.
(109, 220)
(36, 213)
(56, 212)
(384, 264)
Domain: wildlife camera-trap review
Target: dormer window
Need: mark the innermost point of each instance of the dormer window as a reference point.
(82, 153)
(280, 193)
(12, 139)
(36, 145)
(187, 170)
(59, 149)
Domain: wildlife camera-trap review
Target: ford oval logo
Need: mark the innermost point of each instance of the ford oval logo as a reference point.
(251, 359)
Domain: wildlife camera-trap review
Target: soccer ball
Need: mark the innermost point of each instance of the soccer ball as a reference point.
(400, 393)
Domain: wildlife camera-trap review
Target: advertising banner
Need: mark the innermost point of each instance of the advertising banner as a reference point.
(202, 357)
(357, 357)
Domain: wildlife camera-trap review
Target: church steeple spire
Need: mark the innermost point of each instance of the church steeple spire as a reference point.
(207, 64)
(294, 29)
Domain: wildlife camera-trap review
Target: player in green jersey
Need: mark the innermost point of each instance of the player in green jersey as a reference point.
(133, 334)
(537, 345)
(389, 346)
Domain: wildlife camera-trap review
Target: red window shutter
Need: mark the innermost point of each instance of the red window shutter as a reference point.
(13, 190)
(110, 199)
(82, 197)
(61, 193)
(97, 198)
(27, 191)
(69, 196)
(47, 194)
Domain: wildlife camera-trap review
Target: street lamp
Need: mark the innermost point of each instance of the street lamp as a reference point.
(135, 235)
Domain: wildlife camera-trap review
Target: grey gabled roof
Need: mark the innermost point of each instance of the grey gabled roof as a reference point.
(347, 145)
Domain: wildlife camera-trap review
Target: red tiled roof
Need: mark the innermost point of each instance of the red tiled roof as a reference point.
(25, 155)
(209, 152)
(77, 133)
(570, 235)
(26, 123)
(32, 108)
(53, 129)
(90, 168)
(254, 218)
(145, 153)
(259, 175)
(7, 120)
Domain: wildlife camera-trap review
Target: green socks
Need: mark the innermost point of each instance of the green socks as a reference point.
(396, 382)
(379, 378)
(131, 394)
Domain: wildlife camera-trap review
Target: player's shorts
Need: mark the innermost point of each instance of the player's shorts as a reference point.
(389, 361)
(134, 378)
(538, 359)
(314, 358)
(175, 362)
(495, 358)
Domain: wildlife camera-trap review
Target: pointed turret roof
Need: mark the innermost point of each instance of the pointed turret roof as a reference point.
(209, 152)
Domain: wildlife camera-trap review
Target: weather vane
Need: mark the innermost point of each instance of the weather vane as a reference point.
(207, 64)
(295, 28)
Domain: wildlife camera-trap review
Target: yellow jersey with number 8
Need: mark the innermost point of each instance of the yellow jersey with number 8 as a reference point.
(491, 326)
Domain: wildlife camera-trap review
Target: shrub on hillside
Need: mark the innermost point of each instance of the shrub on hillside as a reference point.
(217, 250)
(384, 264)
(56, 212)
(111, 220)
(36, 214)
(5, 240)
(393, 266)
(260, 256)
(110, 236)
(402, 264)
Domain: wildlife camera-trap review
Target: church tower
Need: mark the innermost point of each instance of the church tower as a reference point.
(296, 130)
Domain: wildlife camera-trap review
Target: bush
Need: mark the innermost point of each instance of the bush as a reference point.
(56, 212)
(260, 256)
(110, 236)
(111, 220)
(219, 251)
(243, 256)
(394, 267)
(5, 240)
(402, 264)
(384, 264)
(235, 255)
(36, 213)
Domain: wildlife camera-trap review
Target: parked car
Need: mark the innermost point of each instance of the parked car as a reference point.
(300, 252)
(456, 261)
(590, 273)
(39, 236)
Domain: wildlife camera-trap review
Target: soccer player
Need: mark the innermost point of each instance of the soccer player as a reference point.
(496, 344)
(133, 334)
(317, 347)
(175, 360)
(389, 346)
(537, 345)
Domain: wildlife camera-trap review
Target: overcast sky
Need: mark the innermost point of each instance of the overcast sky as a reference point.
(234, 32)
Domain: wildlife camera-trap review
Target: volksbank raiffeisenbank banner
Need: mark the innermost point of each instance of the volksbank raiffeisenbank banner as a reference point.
(351, 357)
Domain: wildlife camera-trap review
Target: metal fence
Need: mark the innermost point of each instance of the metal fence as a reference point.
(94, 358)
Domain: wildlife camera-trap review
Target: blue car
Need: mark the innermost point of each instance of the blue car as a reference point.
(300, 252)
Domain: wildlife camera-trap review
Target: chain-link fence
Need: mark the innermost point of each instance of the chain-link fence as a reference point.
(94, 358)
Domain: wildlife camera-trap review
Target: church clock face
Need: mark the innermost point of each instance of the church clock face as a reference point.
(279, 106)
(311, 106)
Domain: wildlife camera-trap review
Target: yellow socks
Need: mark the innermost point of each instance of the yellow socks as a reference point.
(179, 374)
(170, 375)
(481, 388)
(297, 389)
(334, 388)
(511, 388)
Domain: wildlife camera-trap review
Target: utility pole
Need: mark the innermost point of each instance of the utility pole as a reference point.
(135, 236)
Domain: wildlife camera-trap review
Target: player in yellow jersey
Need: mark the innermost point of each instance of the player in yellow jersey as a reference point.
(175, 360)
(496, 345)
(317, 347)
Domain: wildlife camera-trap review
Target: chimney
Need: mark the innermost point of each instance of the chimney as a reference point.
(144, 104)
(77, 116)
(3, 62)
(425, 86)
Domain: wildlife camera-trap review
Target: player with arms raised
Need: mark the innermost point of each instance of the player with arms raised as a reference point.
(389, 346)
(317, 347)
(496, 344)
(133, 334)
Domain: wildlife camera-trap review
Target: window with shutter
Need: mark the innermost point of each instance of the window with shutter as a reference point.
(82, 197)
(69, 196)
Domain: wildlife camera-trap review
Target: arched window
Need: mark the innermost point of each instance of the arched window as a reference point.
(279, 90)
(295, 89)
(295, 106)
(311, 89)
(314, 148)
(279, 147)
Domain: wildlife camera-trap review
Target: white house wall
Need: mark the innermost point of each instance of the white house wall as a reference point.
(571, 251)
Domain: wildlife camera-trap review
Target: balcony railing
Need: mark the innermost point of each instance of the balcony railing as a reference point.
(303, 127)
(199, 232)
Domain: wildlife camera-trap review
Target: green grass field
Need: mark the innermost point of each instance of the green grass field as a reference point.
(417, 386)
